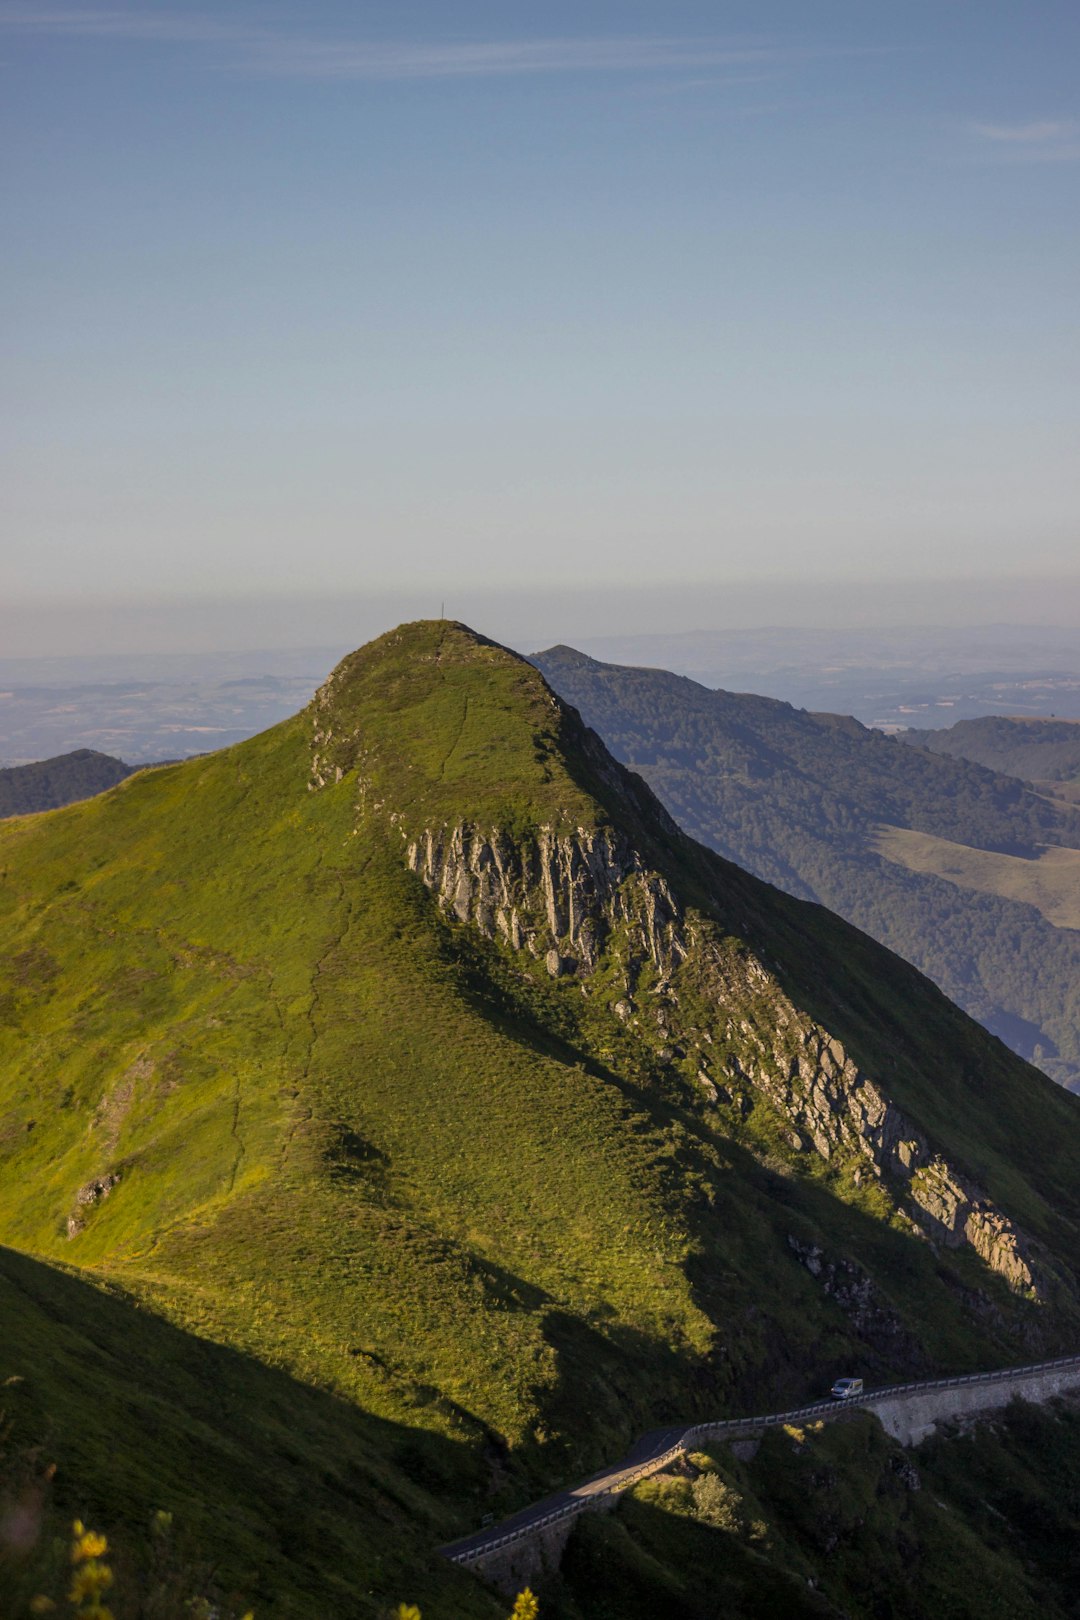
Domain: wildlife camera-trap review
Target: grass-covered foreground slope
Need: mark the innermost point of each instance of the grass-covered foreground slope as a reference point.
(967, 873)
(282, 1496)
(398, 1115)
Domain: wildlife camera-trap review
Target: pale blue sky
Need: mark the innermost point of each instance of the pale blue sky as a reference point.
(417, 298)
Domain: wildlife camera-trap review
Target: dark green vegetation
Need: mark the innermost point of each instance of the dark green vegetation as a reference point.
(50, 783)
(281, 1493)
(341, 1223)
(1034, 750)
(797, 798)
(823, 1521)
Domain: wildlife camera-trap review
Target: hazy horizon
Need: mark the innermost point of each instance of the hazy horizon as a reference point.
(153, 705)
(526, 619)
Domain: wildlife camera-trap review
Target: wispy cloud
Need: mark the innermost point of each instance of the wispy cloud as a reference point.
(1045, 130)
(490, 58)
(1045, 140)
(132, 25)
(261, 50)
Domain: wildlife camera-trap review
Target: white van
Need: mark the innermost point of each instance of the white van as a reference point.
(845, 1389)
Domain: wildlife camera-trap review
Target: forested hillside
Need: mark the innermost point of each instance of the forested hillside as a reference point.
(49, 783)
(1034, 750)
(798, 798)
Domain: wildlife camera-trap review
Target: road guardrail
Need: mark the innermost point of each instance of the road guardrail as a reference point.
(580, 1498)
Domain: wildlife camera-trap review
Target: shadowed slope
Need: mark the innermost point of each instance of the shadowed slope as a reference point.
(282, 1496)
(1036, 750)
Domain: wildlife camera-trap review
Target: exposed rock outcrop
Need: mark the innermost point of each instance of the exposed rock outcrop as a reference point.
(92, 1192)
(836, 1106)
(563, 894)
(100, 1188)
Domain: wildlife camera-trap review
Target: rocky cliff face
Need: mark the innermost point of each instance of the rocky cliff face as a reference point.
(835, 1107)
(572, 900)
(560, 897)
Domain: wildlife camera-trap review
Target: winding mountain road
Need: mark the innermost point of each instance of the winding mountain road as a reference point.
(660, 1447)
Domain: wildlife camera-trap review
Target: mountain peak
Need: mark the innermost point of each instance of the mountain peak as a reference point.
(418, 643)
(445, 724)
(562, 655)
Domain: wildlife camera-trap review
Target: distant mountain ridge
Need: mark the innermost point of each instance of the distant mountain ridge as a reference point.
(49, 783)
(800, 799)
(1036, 750)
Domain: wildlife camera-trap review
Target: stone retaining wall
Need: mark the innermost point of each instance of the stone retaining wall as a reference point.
(911, 1418)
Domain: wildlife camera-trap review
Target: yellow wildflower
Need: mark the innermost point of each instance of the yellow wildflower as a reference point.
(87, 1544)
(525, 1606)
(89, 1579)
(407, 1611)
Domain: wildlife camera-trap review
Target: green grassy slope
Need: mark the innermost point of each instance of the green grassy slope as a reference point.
(799, 800)
(49, 783)
(328, 1164)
